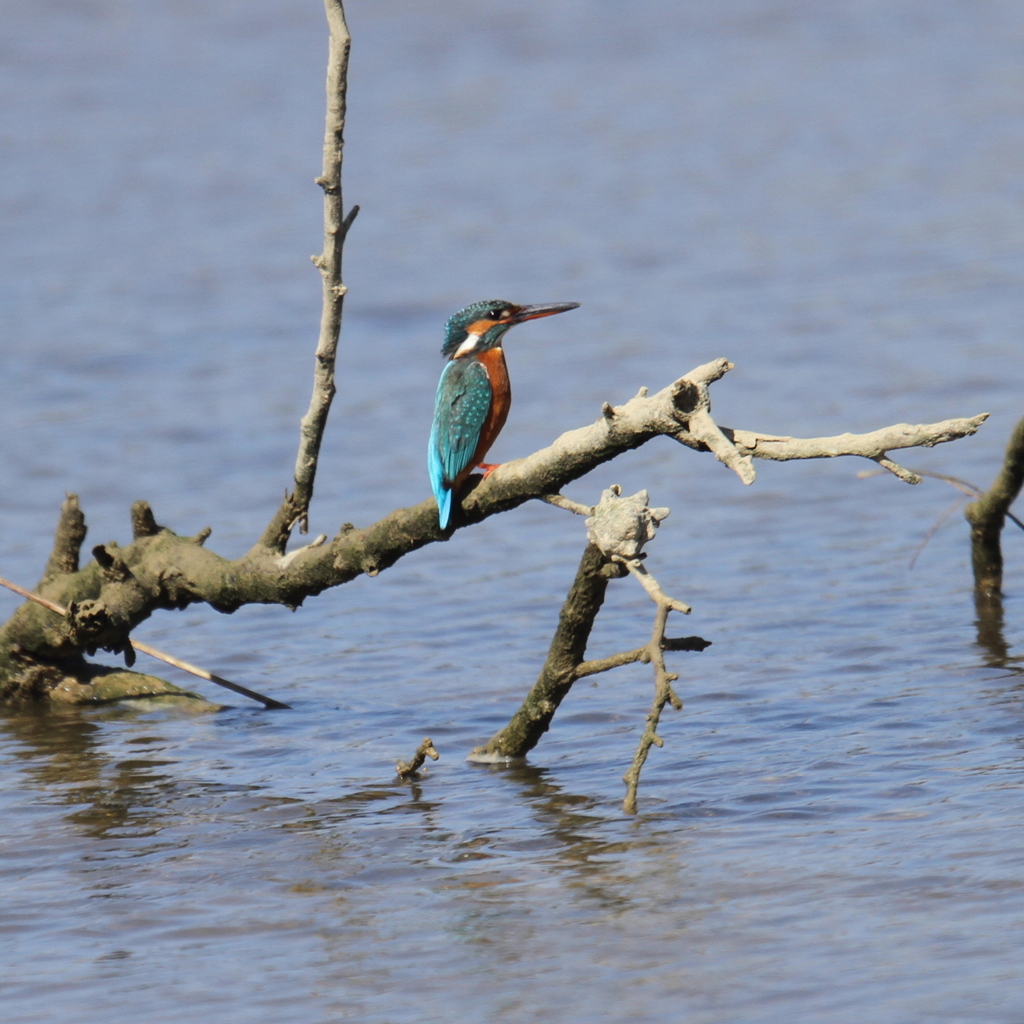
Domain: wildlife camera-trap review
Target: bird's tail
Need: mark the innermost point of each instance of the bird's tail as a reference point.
(444, 507)
(442, 492)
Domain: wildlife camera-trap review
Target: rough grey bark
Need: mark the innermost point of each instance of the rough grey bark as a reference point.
(987, 517)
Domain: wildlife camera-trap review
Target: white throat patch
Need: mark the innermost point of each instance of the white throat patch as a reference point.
(471, 342)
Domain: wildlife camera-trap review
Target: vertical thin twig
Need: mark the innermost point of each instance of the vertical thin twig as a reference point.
(295, 507)
(663, 680)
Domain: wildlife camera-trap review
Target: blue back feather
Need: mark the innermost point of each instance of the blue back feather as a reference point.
(463, 401)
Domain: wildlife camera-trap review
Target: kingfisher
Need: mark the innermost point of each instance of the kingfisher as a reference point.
(473, 394)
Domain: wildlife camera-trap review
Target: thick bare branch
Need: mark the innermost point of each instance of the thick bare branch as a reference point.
(568, 646)
(168, 571)
(295, 507)
(988, 514)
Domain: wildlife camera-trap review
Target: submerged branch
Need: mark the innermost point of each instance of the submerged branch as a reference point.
(568, 646)
(406, 769)
(617, 531)
(987, 517)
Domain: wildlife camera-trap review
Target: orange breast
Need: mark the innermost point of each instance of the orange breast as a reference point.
(501, 400)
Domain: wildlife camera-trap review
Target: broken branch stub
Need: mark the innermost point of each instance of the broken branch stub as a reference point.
(408, 769)
(620, 526)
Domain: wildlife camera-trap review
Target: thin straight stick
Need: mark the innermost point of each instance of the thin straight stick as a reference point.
(169, 659)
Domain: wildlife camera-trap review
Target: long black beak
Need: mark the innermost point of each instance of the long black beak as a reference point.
(548, 309)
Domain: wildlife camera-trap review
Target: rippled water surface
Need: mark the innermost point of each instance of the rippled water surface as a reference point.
(828, 194)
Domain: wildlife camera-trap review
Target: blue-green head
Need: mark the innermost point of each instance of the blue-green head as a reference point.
(482, 325)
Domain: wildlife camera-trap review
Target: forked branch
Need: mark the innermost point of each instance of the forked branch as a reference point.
(617, 531)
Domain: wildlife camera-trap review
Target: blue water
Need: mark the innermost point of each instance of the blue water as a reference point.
(829, 195)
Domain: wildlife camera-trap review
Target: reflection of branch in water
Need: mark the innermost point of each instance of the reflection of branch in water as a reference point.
(989, 624)
(600, 868)
(62, 759)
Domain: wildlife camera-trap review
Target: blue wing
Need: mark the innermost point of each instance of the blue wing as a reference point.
(463, 401)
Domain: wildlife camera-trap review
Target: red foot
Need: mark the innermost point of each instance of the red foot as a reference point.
(489, 468)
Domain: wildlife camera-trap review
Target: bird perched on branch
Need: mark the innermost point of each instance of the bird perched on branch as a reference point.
(473, 395)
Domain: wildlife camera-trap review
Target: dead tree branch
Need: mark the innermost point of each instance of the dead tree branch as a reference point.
(987, 517)
(874, 445)
(295, 507)
(560, 671)
(122, 587)
(616, 534)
